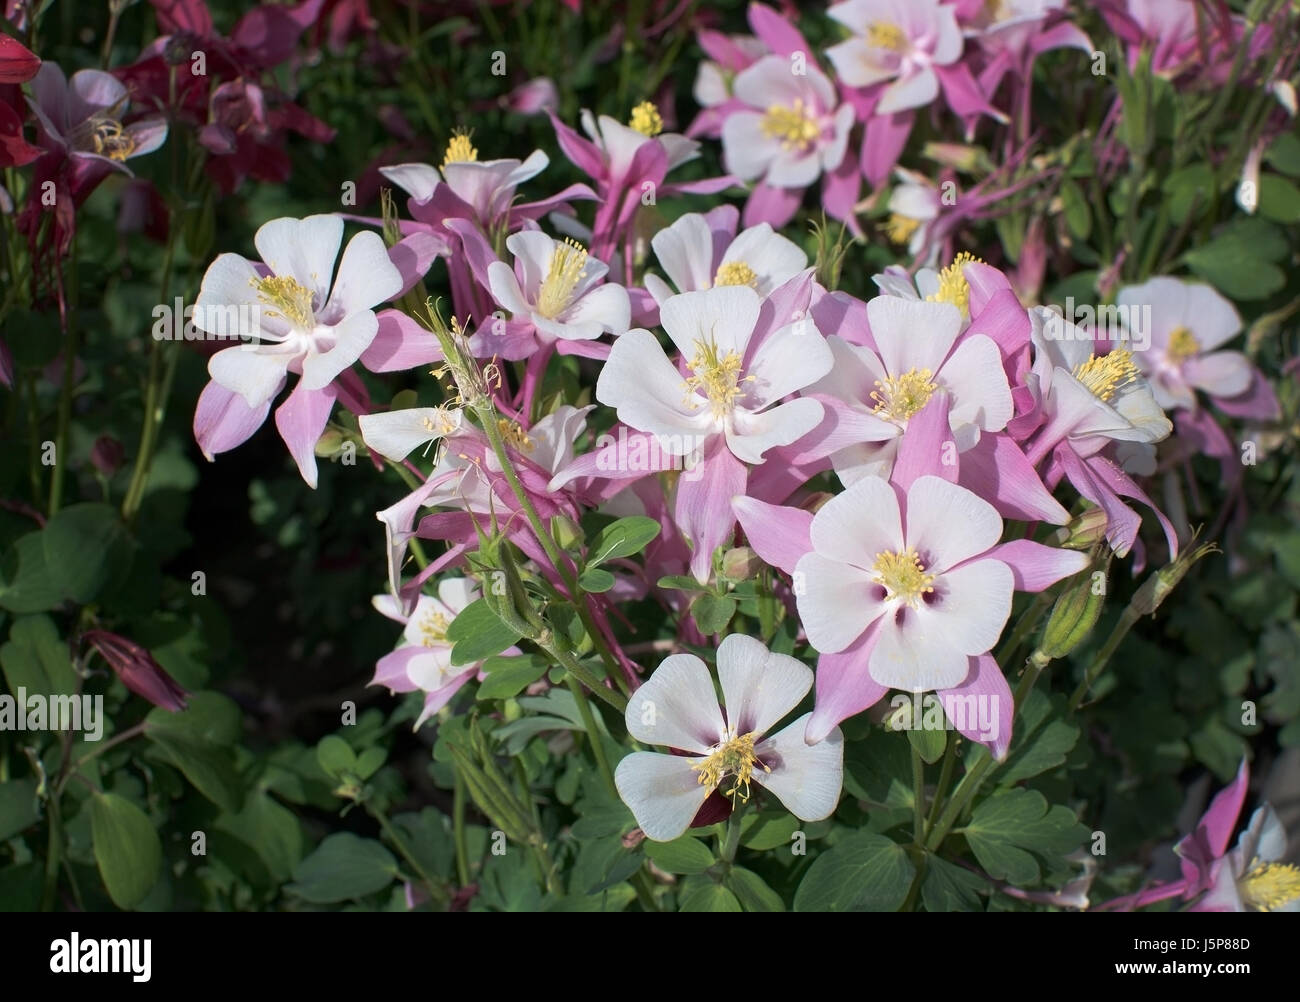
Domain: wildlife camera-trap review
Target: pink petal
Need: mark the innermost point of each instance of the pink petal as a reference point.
(300, 420)
(981, 708)
(778, 534)
(1036, 566)
(844, 687)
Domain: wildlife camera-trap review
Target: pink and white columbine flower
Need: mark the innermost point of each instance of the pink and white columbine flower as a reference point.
(678, 708)
(918, 353)
(83, 117)
(702, 251)
(555, 285)
(307, 321)
(423, 659)
(915, 589)
(913, 207)
(1188, 321)
(899, 41)
(792, 129)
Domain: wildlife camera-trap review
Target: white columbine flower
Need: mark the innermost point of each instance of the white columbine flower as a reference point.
(677, 708)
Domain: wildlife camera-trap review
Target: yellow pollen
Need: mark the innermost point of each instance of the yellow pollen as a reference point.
(1104, 375)
(884, 35)
(736, 273)
(899, 229)
(734, 757)
(1268, 887)
(111, 140)
(433, 628)
(459, 150)
(792, 125)
(291, 299)
(899, 397)
(442, 425)
(903, 576)
(646, 119)
(568, 265)
(515, 436)
(1182, 345)
(717, 377)
(997, 10)
(953, 287)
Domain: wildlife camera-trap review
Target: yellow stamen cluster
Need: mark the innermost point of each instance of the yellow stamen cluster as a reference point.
(1182, 345)
(433, 628)
(1267, 887)
(459, 150)
(903, 576)
(792, 125)
(886, 35)
(953, 287)
(568, 266)
(1104, 375)
(734, 757)
(899, 229)
(736, 273)
(110, 140)
(716, 376)
(899, 397)
(515, 436)
(441, 424)
(292, 300)
(646, 119)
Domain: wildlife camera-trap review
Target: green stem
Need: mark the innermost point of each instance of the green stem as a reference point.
(458, 831)
(593, 735)
(918, 797)
(436, 889)
(1126, 620)
(65, 413)
(1027, 621)
(100, 748)
(53, 855)
(945, 779)
(731, 841)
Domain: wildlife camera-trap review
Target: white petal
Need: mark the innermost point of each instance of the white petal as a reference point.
(912, 654)
(772, 257)
(639, 382)
(393, 434)
(746, 149)
(367, 277)
(973, 605)
(304, 249)
(457, 593)
(975, 377)
(256, 375)
(837, 602)
(662, 791)
(724, 316)
(789, 359)
(751, 435)
(758, 686)
(677, 707)
(912, 333)
(417, 180)
(351, 338)
(505, 288)
(605, 309)
(858, 524)
(913, 92)
(947, 524)
(806, 778)
(685, 252)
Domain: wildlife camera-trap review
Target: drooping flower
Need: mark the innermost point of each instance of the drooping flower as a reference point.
(138, 669)
(677, 708)
(423, 659)
(304, 320)
(84, 118)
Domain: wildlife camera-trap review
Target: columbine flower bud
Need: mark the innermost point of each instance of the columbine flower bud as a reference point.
(741, 564)
(138, 670)
(1157, 587)
(107, 455)
(1084, 531)
(1075, 614)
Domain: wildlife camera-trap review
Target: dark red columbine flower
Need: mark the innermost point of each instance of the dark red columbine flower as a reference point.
(138, 670)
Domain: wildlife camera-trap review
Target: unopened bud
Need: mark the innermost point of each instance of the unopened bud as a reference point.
(1084, 531)
(1157, 587)
(741, 564)
(138, 670)
(1075, 613)
(568, 535)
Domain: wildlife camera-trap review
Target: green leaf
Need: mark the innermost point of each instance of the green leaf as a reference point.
(679, 582)
(18, 808)
(87, 549)
(682, 855)
(371, 761)
(270, 830)
(929, 743)
(127, 850)
(1283, 154)
(596, 580)
(712, 614)
(36, 659)
(950, 888)
(1008, 826)
(26, 584)
(478, 633)
(709, 897)
(1188, 187)
(343, 867)
(1279, 199)
(752, 891)
(210, 768)
(622, 538)
(1043, 749)
(770, 832)
(1238, 260)
(210, 718)
(864, 872)
(507, 677)
(1078, 217)
(335, 755)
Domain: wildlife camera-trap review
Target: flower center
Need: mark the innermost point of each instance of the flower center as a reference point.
(515, 436)
(899, 229)
(792, 125)
(885, 35)
(646, 119)
(899, 397)
(1182, 345)
(433, 628)
(444, 425)
(109, 139)
(716, 376)
(736, 273)
(1104, 375)
(953, 287)
(292, 300)
(733, 757)
(459, 150)
(568, 265)
(1268, 887)
(903, 576)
